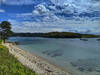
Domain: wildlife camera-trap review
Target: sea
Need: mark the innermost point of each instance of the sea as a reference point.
(78, 56)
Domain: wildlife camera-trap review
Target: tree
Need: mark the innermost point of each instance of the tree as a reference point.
(5, 30)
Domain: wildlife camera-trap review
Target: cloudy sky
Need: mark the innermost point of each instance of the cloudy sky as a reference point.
(82, 16)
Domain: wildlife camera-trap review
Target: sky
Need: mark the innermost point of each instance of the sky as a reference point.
(81, 16)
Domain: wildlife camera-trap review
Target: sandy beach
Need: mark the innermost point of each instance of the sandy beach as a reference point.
(34, 62)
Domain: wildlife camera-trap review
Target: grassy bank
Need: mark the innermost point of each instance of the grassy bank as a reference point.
(9, 65)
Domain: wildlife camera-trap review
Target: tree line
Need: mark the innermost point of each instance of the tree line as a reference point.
(56, 35)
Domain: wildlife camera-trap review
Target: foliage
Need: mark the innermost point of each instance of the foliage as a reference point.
(57, 35)
(10, 66)
(69, 35)
(5, 30)
(0, 41)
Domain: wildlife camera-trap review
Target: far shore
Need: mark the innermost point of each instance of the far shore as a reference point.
(35, 63)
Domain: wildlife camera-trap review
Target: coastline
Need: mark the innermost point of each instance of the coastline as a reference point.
(34, 62)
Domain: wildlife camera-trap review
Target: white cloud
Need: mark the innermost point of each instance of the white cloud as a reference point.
(40, 10)
(47, 15)
(52, 7)
(14, 22)
(39, 13)
(69, 5)
(52, 22)
(17, 2)
(79, 6)
(2, 11)
(24, 14)
(60, 25)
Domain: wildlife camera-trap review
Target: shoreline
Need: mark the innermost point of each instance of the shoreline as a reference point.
(35, 63)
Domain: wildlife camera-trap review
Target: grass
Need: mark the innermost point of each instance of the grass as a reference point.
(0, 41)
(9, 65)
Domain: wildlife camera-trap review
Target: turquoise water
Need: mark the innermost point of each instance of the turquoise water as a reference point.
(81, 57)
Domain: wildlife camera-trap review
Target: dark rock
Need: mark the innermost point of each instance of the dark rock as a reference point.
(81, 69)
(44, 52)
(87, 65)
(98, 39)
(54, 53)
(84, 39)
(48, 70)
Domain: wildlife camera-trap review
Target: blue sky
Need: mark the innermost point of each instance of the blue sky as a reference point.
(82, 16)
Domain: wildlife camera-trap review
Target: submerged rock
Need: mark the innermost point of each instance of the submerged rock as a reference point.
(98, 39)
(44, 52)
(84, 39)
(87, 65)
(54, 53)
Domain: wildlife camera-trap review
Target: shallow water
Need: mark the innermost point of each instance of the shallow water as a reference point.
(80, 57)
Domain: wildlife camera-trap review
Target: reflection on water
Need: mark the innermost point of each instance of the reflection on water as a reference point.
(80, 56)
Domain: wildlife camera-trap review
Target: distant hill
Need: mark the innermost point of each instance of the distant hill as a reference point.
(56, 35)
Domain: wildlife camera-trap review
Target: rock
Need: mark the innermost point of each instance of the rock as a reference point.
(98, 39)
(84, 39)
(87, 65)
(56, 54)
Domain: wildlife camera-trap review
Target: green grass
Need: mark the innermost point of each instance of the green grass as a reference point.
(0, 41)
(9, 65)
